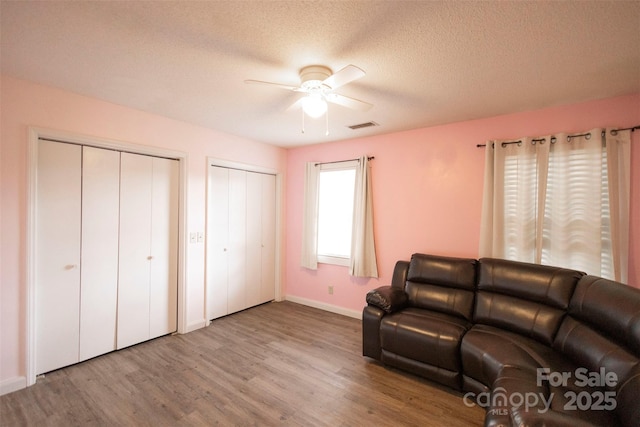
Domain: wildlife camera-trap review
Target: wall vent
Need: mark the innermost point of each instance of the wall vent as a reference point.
(363, 125)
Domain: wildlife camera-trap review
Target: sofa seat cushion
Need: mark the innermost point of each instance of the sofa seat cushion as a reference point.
(487, 350)
(425, 336)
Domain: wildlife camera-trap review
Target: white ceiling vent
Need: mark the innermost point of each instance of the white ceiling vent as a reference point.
(363, 125)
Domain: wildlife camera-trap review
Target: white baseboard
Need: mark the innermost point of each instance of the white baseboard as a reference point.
(324, 306)
(12, 384)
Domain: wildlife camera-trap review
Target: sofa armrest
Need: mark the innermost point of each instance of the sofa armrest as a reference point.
(387, 298)
(371, 319)
(400, 272)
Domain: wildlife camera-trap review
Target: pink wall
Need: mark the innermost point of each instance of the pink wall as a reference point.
(26, 104)
(427, 190)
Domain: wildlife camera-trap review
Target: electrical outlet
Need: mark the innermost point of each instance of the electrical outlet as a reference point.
(200, 237)
(330, 290)
(193, 237)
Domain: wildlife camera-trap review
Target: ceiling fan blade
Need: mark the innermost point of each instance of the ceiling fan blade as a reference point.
(278, 85)
(345, 101)
(296, 105)
(344, 76)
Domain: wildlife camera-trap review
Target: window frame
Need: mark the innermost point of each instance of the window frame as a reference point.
(336, 166)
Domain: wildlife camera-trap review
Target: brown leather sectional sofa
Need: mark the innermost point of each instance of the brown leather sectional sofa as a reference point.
(534, 345)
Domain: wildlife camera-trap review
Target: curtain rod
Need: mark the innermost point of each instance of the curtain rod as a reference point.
(342, 161)
(553, 138)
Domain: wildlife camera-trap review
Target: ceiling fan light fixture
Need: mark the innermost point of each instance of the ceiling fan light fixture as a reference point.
(314, 105)
(312, 85)
(318, 84)
(313, 76)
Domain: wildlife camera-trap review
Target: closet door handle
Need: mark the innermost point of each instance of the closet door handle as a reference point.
(150, 257)
(71, 266)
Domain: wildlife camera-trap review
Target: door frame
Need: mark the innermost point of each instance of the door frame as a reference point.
(213, 161)
(35, 133)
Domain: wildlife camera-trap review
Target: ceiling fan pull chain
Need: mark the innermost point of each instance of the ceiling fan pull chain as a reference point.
(302, 120)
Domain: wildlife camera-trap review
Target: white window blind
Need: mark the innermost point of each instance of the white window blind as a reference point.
(520, 203)
(563, 203)
(576, 227)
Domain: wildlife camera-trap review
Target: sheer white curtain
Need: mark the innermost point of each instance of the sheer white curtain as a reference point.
(515, 177)
(559, 200)
(363, 248)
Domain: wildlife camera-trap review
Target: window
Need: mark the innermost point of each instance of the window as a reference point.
(337, 220)
(336, 188)
(559, 201)
(576, 227)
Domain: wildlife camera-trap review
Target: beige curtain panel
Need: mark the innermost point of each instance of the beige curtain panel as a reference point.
(310, 217)
(363, 248)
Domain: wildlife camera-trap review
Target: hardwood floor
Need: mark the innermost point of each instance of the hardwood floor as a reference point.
(276, 364)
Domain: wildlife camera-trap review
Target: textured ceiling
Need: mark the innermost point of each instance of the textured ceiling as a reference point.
(427, 63)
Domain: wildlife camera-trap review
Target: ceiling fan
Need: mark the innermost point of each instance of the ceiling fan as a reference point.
(318, 83)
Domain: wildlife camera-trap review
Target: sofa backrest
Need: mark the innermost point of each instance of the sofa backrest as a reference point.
(603, 327)
(442, 284)
(602, 331)
(611, 308)
(529, 299)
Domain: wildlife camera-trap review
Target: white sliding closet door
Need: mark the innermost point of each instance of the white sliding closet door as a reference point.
(99, 271)
(260, 239)
(106, 252)
(217, 242)
(148, 278)
(57, 253)
(240, 240)
(136, 173)
(237, 240)
(254, 239)
(163, 283)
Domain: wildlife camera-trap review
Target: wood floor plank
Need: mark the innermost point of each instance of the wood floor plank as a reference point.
(278, 364)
